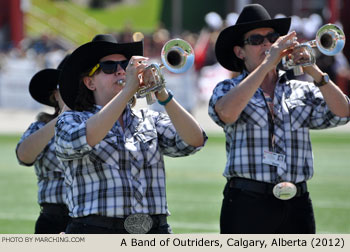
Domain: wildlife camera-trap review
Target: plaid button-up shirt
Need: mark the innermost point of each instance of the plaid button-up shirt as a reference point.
(124, 173)
(297, 106)
(48, 170)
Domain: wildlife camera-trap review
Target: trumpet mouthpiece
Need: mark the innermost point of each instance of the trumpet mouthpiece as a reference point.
(121, 82)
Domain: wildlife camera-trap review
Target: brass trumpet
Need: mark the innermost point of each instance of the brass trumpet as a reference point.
(177, 56)
(330, 40)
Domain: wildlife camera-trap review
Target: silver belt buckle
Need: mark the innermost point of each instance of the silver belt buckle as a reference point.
(138, 223)
(284, 190)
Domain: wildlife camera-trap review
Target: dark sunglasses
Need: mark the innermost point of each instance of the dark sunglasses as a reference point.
(258, 39)
(109, 67)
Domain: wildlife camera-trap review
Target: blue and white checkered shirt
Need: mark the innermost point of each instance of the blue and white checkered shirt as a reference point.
(48, 170)
(298, 106)
(124, 173)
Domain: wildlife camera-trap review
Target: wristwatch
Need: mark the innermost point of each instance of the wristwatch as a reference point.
(324, 80)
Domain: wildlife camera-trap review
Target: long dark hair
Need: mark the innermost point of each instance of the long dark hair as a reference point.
(46, 117)
(85, 99)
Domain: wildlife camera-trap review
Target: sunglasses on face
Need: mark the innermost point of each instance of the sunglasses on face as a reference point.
(109, 67)
(258, 39)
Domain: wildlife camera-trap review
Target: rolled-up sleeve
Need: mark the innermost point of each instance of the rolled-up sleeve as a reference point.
(323, 117)
(320, 116)
(31, 129)
(70, 136)
(169, 140)
(219, 91)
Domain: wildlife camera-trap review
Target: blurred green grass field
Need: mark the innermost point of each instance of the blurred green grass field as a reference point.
(194, 187)
(78, 24)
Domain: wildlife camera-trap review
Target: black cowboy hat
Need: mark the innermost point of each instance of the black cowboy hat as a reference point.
(252, 16)
(87, 56)
(44, 82)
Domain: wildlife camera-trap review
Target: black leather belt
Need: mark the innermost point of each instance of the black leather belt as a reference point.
(262, 187)
(55, 209)
(117, 223)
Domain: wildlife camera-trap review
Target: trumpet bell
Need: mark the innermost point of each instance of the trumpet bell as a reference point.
(330, 39)
(177, 55)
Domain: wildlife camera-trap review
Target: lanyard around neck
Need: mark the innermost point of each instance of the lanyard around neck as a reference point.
(269, 104)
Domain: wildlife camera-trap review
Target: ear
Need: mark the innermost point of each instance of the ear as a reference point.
(89, 83)
(239, 52)
(57, 95)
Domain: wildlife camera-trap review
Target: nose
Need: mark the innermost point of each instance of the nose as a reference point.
(266, 41)
(120, 70)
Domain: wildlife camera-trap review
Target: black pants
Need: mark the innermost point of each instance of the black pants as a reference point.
(245, 212)
(53, 219)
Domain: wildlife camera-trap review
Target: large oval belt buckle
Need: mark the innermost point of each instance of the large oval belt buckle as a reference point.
(138, 223)
(284, 190)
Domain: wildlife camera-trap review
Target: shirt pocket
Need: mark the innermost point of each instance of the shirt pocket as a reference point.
(255, 113)
(148, 140)
(97, 171)
(299, 113)
(108, 151)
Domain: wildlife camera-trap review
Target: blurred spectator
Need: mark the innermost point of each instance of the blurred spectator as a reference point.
(160, 37)
(47, 51)
(231, 19)
(209, 76)
(204, 48)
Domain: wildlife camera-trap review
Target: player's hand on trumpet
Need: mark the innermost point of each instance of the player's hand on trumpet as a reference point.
(135, 68)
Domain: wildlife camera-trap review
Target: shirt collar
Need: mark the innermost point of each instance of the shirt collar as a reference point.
(282, 77)
(243, 75)
(127, 115)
